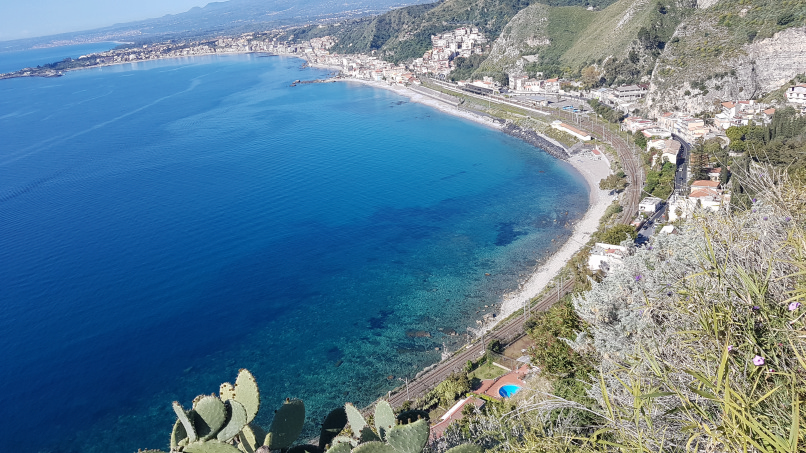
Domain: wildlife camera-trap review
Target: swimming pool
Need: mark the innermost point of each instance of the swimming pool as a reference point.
(508, 390)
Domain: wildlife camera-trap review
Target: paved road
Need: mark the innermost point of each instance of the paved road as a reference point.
(681, 176)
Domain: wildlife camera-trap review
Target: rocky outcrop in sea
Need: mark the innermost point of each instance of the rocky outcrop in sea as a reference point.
(535, 139)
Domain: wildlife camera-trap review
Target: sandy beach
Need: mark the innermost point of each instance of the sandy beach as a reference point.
(593, 170)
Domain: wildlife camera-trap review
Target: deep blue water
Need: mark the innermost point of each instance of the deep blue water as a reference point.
(164, 224)
(16, 60)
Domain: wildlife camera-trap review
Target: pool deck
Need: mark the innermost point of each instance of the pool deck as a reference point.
(491, 387)
(455, 413)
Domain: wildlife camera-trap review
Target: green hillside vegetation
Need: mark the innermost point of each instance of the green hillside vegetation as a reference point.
(622, 41)
(703, 47)
(405, 33)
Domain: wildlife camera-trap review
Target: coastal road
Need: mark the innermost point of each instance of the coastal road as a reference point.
(507, 330)
(681, 175)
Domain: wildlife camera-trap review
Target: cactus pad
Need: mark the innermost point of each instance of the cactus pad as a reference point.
(178, 434)
(226, 392)
(465, 448)
(334, 423)
(368, 435)
(409, 438)
(343, 447)
(374, 447)
(357, 422)
(345, 440)
(251, 438)
(411, 416)
(236, 423)
(384, 418)
(211, 414)
(247, 393)
(211, 446)
(287, 425)
(307, 448)
(186, 421)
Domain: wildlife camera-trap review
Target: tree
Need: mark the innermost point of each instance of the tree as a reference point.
(591, 77)
(640, 139)
(618, 233)
(617, 181)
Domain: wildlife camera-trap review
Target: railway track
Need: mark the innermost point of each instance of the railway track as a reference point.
(512, 328)
(507, 330)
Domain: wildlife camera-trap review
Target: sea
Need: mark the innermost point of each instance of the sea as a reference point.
(165, 223)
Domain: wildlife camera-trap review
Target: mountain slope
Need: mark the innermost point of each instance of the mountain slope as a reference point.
(223, 17)
(732, 50)
(566, 39)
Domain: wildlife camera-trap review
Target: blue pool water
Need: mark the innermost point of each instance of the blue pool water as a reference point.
(508, 390)
(164, 224)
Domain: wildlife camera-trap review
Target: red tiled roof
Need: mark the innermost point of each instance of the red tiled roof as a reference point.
(704, 193)
(728, 105)
(574, 130)
(705, 183)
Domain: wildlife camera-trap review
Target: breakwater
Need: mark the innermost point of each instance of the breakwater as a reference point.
(533, 138)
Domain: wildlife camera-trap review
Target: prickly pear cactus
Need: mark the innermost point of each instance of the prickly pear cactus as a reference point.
(237, 421)
(226, 392)
(178, 436)
(374, 447)
(384, 418)
(210, 446)
(287, 425)
(356, 420)
(465, 448)
(409, 438)
(344, 447)
(334, 423)
(407, 417)
(247, 393)
(251, 437)
(211, 415)
(345, 440)
(368, 435)
(187, 421)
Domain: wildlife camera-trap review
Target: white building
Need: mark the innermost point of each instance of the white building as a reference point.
(650, 204)
(797, 94)
(605, 257)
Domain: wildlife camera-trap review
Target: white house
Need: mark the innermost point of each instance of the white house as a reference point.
(650, 204)
(796, 94)
(604, 257)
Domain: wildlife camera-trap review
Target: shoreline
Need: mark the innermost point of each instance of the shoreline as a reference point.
(591, 170)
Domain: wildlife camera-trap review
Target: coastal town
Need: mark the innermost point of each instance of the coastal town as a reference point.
(650, 173)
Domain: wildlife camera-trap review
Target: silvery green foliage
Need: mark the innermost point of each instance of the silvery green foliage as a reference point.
(639, 312)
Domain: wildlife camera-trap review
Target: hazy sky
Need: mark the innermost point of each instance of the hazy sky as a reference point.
(31, 18)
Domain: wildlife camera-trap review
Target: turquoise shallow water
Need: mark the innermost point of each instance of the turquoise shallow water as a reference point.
(166, 223)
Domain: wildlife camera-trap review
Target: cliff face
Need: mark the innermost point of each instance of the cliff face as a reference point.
(729, 51)
(523, 35)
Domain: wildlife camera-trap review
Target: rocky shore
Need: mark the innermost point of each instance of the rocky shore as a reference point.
(535, 139)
